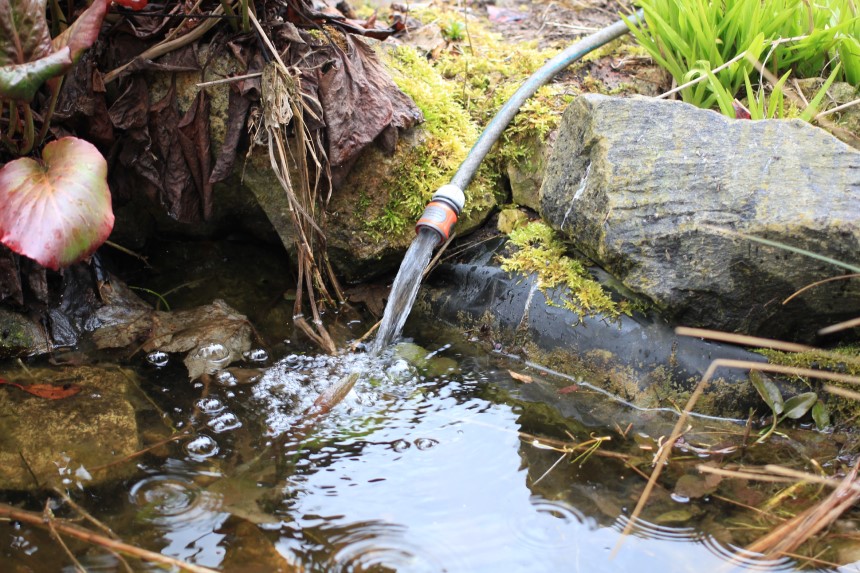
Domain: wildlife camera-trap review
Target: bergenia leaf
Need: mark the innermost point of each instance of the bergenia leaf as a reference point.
(24, 32)
(21, 81)
(57, 211)
(83, 31)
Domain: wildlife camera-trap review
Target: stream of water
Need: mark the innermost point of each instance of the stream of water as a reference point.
(405, 288)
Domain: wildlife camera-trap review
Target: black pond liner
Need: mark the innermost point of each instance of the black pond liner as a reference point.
(478, 292)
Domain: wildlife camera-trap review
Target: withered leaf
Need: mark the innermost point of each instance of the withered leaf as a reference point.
(524, 378)
(47, 391)
(360, 100)
(194, 140)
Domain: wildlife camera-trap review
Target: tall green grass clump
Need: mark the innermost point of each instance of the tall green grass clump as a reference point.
(692, 38)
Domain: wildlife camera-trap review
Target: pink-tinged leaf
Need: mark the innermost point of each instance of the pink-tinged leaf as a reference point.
(58, 211)
(24, 33)
(21, 81)
(740, 111)
(133, 4)
(83, 31)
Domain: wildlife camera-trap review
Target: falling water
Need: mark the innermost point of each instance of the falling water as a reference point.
(405, 288)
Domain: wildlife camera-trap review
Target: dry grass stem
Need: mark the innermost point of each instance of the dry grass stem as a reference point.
(842, 392)
(840, 326)
(742, 339)
(821, 282)
(663, 456)
(229, 80)
(797, 530)
(838, 108)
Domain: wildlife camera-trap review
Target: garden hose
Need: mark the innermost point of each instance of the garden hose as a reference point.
(442, 211)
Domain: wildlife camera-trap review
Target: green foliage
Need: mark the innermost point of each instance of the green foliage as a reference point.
(541, 252)
(690, 38)
(454, 31)
(794, 408)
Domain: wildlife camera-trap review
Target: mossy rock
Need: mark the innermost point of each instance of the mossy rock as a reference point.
(46, 443)
(20, 336)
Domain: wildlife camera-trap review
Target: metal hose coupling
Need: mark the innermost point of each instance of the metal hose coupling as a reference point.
(441, 212)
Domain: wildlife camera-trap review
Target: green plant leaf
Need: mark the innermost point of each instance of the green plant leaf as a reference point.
(768, 391)
(20, 81)
(797, 406)
(26, 55)
(821, 415)
(812, 109)
(57, 211)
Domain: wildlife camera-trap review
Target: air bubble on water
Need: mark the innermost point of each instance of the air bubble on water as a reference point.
(215, 353)
(224, 422)
(400, 445)
(225, 378)
(680, 498)
(202, 447)
(158, 358)
(425, 443)
(210, 405)
(256, 355)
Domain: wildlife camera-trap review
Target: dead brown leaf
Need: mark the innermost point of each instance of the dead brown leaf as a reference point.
(524, 378)
(47, 391)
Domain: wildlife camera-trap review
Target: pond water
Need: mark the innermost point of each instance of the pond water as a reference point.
(442, 457)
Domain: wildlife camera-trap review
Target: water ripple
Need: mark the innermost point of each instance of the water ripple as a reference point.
(171, 501)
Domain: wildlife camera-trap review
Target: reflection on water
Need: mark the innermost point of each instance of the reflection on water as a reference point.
(438, 459)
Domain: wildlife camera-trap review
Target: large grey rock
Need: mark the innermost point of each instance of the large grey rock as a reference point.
(635, 183)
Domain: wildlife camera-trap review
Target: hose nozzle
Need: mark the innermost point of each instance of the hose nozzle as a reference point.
(441, 212)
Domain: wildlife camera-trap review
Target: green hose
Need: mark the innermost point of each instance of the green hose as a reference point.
(504, 116)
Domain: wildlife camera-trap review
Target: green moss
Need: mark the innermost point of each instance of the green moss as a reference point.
(448, 134)
(540, 252)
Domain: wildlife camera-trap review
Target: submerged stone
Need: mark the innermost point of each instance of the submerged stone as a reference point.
(63, 443)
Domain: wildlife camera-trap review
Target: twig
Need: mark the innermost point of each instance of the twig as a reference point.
(84, 513)
(821, 282)
(139, 453)
(167, 46)
(229, 80)
(49, 519)
(78, 532)
(838, 108)
(129, 252)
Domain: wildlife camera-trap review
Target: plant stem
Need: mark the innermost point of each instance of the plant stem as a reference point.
(228, 11)
(29, 132)
(56, 85)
